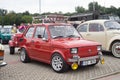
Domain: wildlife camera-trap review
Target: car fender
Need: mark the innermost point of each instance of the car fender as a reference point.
(60, 52)
(116, 38)
(23, 46)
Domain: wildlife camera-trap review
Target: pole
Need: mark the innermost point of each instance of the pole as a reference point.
(40, 7)
(93, 5)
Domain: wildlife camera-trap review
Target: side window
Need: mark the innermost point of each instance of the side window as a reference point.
(94, 27)
(83, 28)
(41, 32)
(30, 32)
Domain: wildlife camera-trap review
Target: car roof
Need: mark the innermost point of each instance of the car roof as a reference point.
(50, 24)
(96, 21)
(7, 26)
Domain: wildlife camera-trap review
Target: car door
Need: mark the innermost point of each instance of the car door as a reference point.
(28, 41)
(96, 32)
(42, 45)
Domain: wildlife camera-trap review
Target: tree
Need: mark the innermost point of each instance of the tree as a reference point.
(79, 9)
(93, 6)
(26, 13)
(3, 12)
(118, 11)
(27, 19)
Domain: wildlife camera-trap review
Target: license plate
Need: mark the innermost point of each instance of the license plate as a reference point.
(88, 62)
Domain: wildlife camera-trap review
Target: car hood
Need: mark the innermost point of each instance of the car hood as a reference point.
(116, 31)
(73, 42)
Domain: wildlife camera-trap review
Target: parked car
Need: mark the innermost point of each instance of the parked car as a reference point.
(110, 17)
(106, 32)
(2, 63)
(59, 45)
(5, 34)
(14, 42)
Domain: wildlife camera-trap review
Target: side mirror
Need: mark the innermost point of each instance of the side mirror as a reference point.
(39, 36)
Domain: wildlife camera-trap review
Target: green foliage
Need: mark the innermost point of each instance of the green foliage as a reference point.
(15, 18)
(27, 19)
(80, 9)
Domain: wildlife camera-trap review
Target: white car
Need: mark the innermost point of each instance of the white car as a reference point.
(2, 63)
(106, 32)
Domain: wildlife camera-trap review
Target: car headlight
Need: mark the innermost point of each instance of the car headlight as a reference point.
(74, 50)
(99, 48)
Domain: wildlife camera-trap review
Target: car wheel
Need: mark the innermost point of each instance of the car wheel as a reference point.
(116, 49)
(58, 64)
(12, 50)
(24, 56)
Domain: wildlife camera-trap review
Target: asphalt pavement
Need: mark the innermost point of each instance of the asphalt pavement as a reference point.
(16, 70)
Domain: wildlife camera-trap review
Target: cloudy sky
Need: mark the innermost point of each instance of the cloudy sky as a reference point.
(33, 6)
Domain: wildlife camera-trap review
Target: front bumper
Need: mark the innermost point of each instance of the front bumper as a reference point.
(77, 59)
(2, 63)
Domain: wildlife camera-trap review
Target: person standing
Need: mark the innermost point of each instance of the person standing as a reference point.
(14, 29)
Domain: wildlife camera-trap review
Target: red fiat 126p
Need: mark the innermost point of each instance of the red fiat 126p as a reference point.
(60, 45)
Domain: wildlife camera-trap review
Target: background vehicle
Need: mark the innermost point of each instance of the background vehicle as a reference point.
(110, 17)
(14, 42)
(2, 63)
(60, 45)
(5, 34)
(106, 32)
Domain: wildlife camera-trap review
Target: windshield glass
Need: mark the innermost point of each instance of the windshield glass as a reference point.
(114, 18)
(6, 30)
(63, 31)
(112, 25)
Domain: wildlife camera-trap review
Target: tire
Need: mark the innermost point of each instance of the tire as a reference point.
(58, 64)
(12, 50)
(24, 56)
(116, 49)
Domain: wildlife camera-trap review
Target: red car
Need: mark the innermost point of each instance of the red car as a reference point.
(60, 45)
(14, 42)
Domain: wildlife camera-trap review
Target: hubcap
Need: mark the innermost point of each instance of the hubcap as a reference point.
(57, 63)
(22, 55)
(117, 50)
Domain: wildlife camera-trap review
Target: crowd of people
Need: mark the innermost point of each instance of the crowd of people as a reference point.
(17, 29)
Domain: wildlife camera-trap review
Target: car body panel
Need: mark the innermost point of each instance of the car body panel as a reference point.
(5, 34)
(105, 37)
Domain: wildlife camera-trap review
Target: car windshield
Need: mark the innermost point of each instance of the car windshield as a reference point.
(112, 25)
(6, 30)
(63, 32)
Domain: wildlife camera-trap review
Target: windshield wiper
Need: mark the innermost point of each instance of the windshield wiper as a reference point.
(58, 37)
(72, 36)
